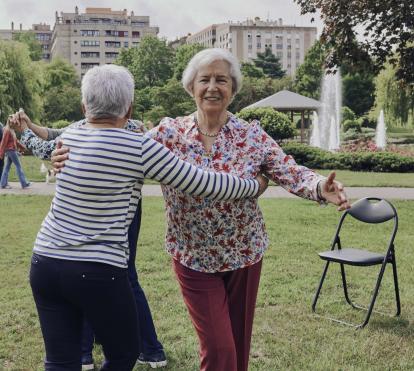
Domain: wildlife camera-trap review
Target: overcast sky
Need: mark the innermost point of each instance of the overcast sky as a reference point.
(173, 17)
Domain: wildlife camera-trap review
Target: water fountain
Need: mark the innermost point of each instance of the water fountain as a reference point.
(315, 139)
(329, 113)
(381, 132)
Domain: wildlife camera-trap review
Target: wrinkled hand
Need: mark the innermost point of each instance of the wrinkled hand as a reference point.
(59, 156)
(333, 192)
(20, 121)
(263, 184)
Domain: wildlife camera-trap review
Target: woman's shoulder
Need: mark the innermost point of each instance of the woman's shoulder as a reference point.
(178, 122)
(243, 125)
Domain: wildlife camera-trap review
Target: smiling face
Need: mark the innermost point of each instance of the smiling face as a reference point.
(213, 87)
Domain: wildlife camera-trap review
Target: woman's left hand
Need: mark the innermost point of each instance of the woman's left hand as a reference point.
(333, 192)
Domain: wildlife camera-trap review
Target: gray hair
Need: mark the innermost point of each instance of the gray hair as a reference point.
(107, 91)
(204, 58)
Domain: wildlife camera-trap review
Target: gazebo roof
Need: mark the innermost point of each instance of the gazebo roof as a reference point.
(289, 101)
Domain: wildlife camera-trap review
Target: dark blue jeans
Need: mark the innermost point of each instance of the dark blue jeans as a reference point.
(65, 292)
(12, 156)
(149, 341)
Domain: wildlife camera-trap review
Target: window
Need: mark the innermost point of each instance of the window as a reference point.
(87, 66)
(279, 46)
(90, 43)
(90, 54)
(111, 54)
(113, 44)
(116, 33)
(126, 44)
(89, 32)
(135, 34)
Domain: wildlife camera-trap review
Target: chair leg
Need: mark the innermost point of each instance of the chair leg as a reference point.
(397, 291)
(315, 299)
(345, 287)
(374, 296)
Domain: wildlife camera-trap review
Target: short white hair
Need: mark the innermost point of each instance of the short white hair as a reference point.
(206, 57)
(107, 91)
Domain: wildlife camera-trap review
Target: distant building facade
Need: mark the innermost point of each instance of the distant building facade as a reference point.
(96, 37)
(246, 39)
(41, 31)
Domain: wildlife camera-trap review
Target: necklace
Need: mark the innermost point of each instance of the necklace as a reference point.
(205, 133)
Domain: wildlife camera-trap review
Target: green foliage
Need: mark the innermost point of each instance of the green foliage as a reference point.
(269, 64)
(19, 84)
(387, 28)
(155, 114)
(254, 90)
(150, 63)
(351, 124)
(316, 158)
(248, 69)
(396, 100)
(29, 38)
(358, 91)
(183, 54)
(308, 77)
(62, 103)
(275, 123)
(59, 73)
(347, 114)
(60, 124)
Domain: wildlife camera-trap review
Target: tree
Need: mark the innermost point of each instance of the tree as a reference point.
(394, 98)
(150, 63)
(59, 73)
(254, 89)
(269, 64)
(358, 92)
(309, 74)
(62, 103)
(248, 69)
(387, 28)
(29, 38)
(183, 54)
(19, 85)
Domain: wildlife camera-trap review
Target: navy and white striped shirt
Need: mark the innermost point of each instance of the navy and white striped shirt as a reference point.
(98, 191)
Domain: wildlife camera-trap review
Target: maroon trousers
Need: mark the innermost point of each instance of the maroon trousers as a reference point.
(221, 306)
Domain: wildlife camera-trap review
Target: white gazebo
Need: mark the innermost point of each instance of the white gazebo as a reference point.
(287, 101)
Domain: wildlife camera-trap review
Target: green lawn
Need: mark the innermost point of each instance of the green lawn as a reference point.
(286, 336)
(31, 166)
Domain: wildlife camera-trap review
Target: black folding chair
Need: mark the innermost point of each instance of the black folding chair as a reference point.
(368, 210)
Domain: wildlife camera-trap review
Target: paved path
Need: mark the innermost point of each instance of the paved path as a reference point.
(39, 188)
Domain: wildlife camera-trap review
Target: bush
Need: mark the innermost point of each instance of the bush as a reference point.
(316, 158)
(367, 122)
(351, 124)
(347, 114)
(276, 124)
(60, 124)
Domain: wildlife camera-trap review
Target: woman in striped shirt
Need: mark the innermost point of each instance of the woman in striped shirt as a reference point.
(81, 251)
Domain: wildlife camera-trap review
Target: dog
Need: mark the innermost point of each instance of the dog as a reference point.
(50, 174)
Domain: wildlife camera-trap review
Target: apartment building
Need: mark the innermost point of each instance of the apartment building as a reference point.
(96, 37)
(245, 39)
(41, 31)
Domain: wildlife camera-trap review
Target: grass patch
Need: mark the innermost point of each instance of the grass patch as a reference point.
(286, 335)
(31, 166)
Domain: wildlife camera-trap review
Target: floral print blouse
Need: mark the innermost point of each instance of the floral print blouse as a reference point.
(217, 236)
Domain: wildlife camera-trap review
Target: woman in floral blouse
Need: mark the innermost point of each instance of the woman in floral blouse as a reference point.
(217, 246)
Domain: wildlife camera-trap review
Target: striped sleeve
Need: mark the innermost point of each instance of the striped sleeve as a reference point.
(161, 164)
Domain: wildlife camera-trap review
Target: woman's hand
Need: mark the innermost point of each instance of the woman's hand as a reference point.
(333, 192)
(59, 156)
(20, 121)
(263, 184)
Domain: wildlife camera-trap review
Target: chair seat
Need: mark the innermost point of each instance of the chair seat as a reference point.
(352, 256)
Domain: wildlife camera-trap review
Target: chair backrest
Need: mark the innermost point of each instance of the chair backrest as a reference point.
(372, 210)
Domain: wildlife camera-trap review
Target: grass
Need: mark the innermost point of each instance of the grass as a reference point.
(31, 166)
(286, 335)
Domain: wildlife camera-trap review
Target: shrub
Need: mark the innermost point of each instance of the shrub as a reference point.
(351, 124)
(367, 122)
(276, 124)
(347, 114)
(316, 158)
(60, 124)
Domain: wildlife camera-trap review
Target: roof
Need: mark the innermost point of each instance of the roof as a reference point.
(287, 100)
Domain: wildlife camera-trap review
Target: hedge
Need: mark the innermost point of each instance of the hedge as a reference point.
(316, 158)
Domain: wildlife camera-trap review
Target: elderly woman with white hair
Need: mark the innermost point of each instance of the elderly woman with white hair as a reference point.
(217, 246)
(79, 263)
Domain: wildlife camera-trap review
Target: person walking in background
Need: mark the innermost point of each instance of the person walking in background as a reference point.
(9, 149)
(1, 158)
